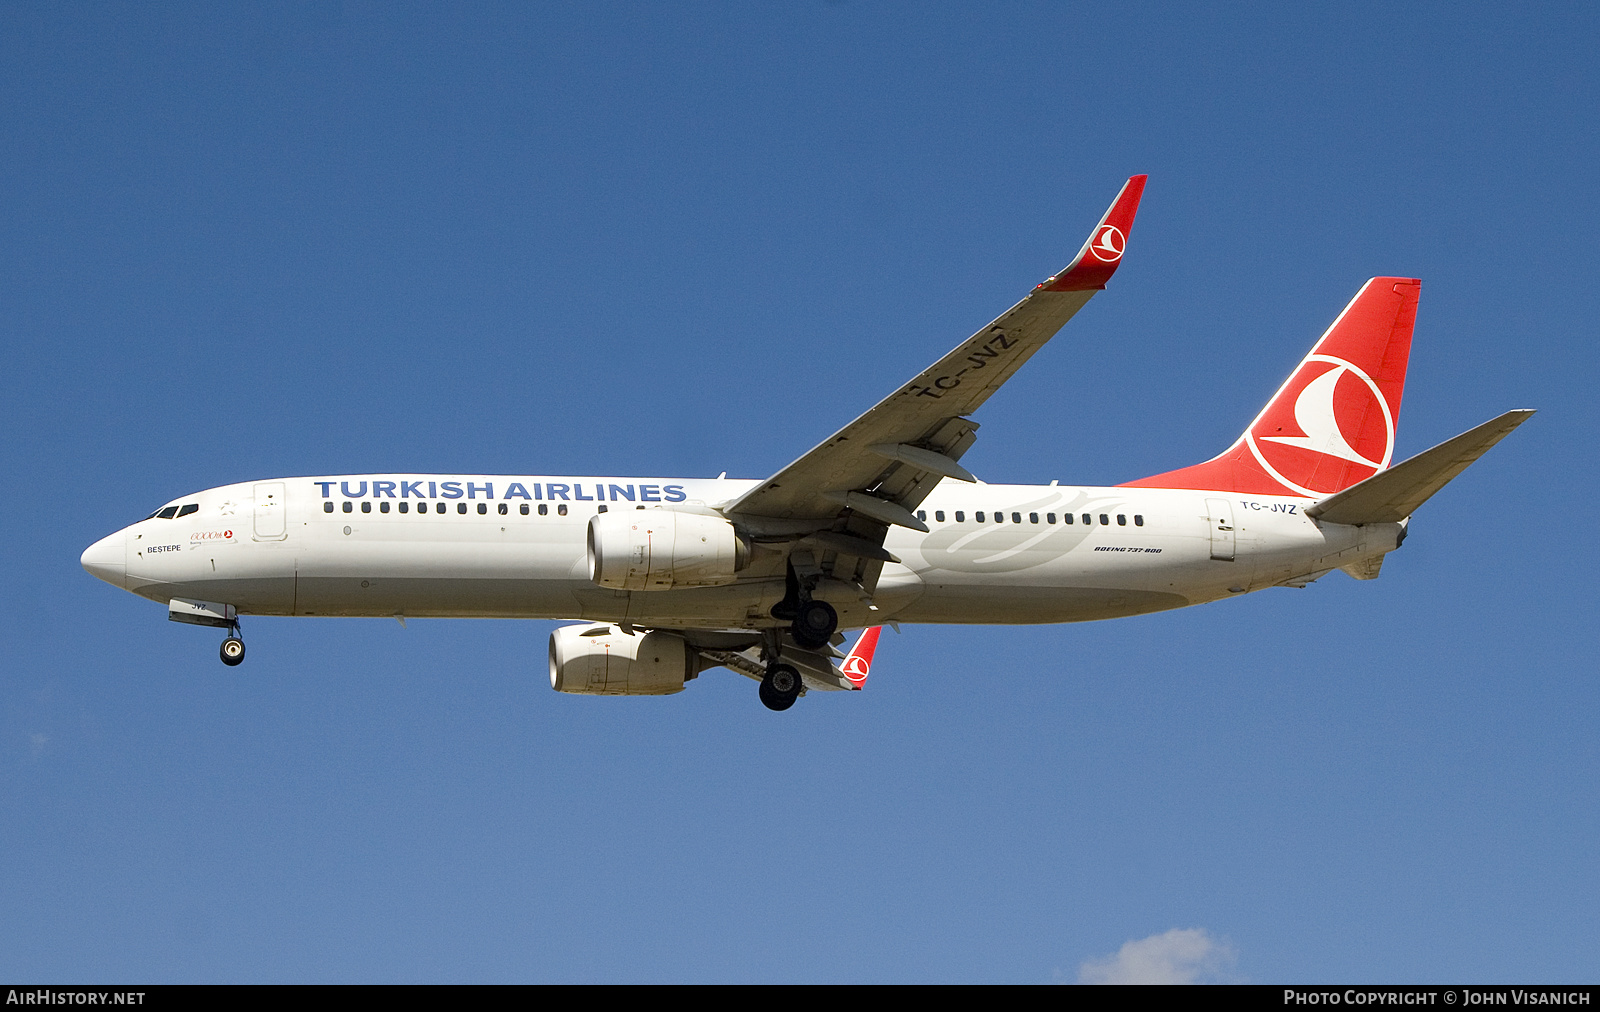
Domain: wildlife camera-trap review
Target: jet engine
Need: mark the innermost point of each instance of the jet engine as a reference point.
(602, 660)
(663, 550)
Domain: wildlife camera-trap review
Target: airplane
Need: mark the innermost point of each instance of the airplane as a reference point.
(880, 524)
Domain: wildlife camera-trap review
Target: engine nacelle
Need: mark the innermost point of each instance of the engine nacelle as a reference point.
(662, 550)
(602, 660)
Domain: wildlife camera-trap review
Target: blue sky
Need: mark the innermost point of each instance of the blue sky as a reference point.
(245, 243)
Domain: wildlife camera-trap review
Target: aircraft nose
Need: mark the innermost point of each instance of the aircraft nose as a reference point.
(107, 559)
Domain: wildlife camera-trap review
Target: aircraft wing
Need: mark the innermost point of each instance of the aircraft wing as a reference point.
(883, 464)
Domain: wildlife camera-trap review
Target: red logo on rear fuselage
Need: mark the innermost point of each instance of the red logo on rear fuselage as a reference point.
(1328, 428)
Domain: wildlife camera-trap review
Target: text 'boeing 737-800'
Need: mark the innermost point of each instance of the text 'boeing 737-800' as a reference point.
(880, 523)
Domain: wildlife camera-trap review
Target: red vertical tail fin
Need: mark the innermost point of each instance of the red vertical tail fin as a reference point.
(1332, 423)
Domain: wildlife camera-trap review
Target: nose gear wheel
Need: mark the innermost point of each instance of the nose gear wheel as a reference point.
(232, 651)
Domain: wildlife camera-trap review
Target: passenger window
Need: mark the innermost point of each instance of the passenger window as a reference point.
(383, 507)
(349, 507)
(327, 507)
(1104, 520)
(1033, 518)
(1049, 518)
(188, 508)
(978, 516)
(604, 508)
(1066, 518)
(366, 507)
(168, 513)
(1122, 520)
(922, 514)
(544, 510)
(524, 508)
(405, 507)
(1138, 520)
(461, 507)
(938, 515)
(1016, 518)
(438, 507)
(961, 516)
(561, 508)
(483, 508)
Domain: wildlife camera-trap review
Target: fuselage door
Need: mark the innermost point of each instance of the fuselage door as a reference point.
(271, 524)
(1219, 514)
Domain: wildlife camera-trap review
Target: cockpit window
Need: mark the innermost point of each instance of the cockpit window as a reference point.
(188, 508)
(168, 513)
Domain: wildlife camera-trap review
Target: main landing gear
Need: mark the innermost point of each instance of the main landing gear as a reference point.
(812, 623)
(233, 647)
(781, 687)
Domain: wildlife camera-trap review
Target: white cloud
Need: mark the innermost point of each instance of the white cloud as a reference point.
(1179, 956)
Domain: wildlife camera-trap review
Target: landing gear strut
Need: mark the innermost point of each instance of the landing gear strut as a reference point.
(812, 623)
(233, 647)
(781, 687)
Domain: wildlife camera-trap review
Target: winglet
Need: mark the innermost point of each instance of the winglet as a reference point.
(1098, 259)
(856, 666)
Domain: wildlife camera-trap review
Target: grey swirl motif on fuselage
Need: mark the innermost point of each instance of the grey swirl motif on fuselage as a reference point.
(1008, 547)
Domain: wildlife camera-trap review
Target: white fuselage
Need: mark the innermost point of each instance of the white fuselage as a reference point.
(499, 546)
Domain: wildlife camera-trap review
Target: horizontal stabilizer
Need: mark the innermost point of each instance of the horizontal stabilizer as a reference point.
(1392, 495)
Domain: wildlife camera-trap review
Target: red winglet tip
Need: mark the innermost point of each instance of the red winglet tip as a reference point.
(858, 664)
(1098, 258)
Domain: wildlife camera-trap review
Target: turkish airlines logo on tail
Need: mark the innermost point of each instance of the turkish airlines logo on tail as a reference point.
(1328, 428)
(1108, 244)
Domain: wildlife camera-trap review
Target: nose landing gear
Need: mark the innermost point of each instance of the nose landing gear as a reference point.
(233, 647)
